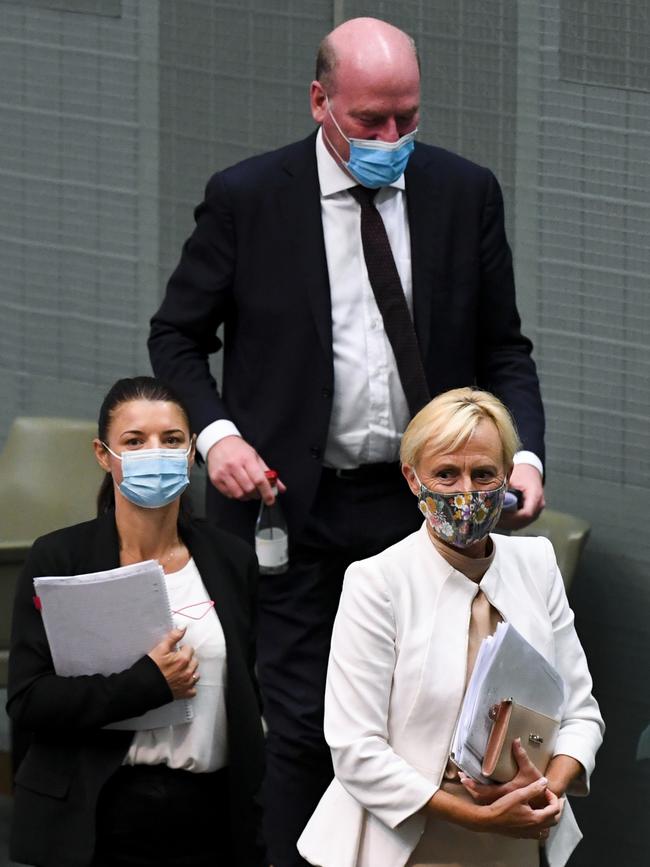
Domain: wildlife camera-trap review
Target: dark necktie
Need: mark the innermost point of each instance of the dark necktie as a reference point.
(387, 288)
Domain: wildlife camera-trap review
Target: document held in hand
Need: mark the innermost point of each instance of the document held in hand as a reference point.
(103, 622)
(507, 667)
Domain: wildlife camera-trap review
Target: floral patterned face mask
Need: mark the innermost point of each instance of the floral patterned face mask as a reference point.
(463, 517)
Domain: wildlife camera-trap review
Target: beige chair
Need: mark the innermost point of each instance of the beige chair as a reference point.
(49, 478)
(568, 536)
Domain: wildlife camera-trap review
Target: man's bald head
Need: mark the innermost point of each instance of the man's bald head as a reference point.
(367, 85)
(360, 44)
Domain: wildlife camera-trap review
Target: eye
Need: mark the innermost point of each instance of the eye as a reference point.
(369, 121)
(485, 475)
(174, 440)
(133, 442)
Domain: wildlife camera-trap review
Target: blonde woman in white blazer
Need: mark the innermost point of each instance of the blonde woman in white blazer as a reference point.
(406, 634)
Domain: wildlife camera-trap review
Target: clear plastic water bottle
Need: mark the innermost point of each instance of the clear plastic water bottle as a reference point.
(271, 536)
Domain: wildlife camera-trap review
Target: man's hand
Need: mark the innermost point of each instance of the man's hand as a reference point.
(237, 471)
(528, 480)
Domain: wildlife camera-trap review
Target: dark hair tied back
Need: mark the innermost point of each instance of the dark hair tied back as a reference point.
(124, 391)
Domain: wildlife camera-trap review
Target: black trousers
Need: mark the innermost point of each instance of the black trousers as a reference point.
(352, 518)
(150, 815)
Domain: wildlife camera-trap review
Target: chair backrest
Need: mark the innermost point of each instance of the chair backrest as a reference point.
(49, 477)
(568, 535)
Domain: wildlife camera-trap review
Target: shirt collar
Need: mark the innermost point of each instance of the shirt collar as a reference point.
(331, 177)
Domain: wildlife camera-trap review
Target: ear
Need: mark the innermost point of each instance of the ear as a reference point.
(192, 455)
(509, 473)
(101, 455)
(317, 101)
(409, 474)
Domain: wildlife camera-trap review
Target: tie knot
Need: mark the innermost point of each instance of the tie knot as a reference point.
(364, 195)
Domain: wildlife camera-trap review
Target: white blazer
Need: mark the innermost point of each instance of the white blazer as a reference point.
(395, 684)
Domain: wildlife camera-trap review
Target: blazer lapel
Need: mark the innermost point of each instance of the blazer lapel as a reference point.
(423, 205)
(505, 591)
(103, 551)
(299, 204)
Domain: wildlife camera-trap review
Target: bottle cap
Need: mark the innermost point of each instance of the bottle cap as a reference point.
(271, 475)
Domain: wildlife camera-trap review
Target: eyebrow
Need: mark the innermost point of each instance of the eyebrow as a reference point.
(489, 465)
(363, 114)
(171, 430)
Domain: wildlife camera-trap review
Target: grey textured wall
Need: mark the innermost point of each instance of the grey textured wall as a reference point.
(233, 82)
(112, 125)
(585, 247)
(78, 226)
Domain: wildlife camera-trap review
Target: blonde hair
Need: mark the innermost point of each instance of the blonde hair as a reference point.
(448, 421)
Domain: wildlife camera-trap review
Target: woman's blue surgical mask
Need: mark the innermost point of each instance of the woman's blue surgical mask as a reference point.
(152, 478)
(375, 163)
(461, 518)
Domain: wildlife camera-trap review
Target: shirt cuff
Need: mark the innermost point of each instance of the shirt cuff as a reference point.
(214, 432)
(522, 457)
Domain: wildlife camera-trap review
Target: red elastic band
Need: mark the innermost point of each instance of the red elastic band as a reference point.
(208, 602)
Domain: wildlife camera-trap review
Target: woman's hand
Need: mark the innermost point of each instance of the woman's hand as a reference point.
(488, 793)
(178, 667)
(513, 816)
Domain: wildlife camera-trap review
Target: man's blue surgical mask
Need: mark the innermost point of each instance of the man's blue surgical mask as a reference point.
(375, 163)
(152, 478)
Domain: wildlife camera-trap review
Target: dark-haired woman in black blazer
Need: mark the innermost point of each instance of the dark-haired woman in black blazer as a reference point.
(86, 796)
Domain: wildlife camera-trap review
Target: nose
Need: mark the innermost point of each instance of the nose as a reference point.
(389, 131)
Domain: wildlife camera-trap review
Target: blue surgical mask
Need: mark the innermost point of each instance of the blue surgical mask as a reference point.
(152, 478)
(375, 163)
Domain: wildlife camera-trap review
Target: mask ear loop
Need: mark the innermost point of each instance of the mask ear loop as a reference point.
(108, 449)
(342, 162)
(417, 479)
(329, 111)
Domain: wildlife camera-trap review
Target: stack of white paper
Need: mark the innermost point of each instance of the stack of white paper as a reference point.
(506, 666)
(103, 622)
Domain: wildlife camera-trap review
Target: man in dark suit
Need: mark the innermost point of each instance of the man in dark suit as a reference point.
(314, 382)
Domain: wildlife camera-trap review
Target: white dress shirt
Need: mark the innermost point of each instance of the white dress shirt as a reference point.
(369, 408)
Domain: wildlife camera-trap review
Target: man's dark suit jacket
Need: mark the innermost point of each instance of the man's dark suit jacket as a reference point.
(256, 262)
(70, 757)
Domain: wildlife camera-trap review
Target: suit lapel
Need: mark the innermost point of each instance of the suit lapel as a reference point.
(299, 205)
(423, 205)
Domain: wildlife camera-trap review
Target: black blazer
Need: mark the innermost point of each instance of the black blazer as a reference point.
(256, 262)
(70, 756)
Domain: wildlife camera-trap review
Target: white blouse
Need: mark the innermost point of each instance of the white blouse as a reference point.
(201, 745)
